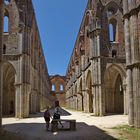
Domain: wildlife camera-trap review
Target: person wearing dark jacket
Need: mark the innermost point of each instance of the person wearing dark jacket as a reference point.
(47, 117)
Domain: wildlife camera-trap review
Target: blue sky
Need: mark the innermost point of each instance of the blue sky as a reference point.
(58, 22)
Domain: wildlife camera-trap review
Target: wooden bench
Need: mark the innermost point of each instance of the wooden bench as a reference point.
(54, 124)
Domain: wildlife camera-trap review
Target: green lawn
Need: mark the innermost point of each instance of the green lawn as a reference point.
(128, 133)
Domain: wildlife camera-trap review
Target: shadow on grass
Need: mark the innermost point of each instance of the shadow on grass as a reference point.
(33, 131)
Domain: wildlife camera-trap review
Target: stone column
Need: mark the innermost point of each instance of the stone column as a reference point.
(125, 6)
(1, 46)
(125, 100)
(133, 62)
(136, 96)
(76, 68)
(86, 101)
(139, 29)
(82, 62)
(129, 73)
(99, 73)
(92, 46)
(94, 75)
(127, 42)
(134, 38)
(23, 89)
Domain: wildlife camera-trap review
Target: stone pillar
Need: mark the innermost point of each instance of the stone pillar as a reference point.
(1, 46)
(94, 101)
(76, 68)
(92, 46)
(93, 86)
(97, 100)
(125, 6)
(131, 26)
(129, 73)
(22, 100)
(99, 73)
(139, 28)
(134, 38)
(86, 101)
(127, 42)
(23, 89)
(17, 96)
(125, 100)
(136, 97)
(82, 61)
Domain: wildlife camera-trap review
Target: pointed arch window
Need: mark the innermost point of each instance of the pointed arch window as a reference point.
(6, 24)
(61, 87)
(112, 30)
(53, 88)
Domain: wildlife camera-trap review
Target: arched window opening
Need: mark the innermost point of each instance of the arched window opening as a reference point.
(6, 2)
(61, 87)
(53, 88)
(111, 33)
(6, 24)
(112, 30)
(4, 49)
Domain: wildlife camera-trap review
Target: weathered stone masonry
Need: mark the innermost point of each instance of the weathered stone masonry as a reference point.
(57, 84)
(103, 73)
(97, 66)
(132, 44)
(25, 77)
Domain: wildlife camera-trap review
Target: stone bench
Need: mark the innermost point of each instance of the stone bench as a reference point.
(54, 124)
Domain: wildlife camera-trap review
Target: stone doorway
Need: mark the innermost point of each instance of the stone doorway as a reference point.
(114, 94)
(8, 89)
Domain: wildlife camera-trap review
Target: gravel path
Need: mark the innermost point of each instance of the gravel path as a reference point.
(88, 126)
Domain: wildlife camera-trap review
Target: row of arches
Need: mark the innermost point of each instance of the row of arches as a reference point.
(25, 82)
(111, 30)
(11, 99)
(112, 93)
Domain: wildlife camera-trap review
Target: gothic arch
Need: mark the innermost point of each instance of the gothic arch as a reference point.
(114, 80)
(89, 92)
(9, 90)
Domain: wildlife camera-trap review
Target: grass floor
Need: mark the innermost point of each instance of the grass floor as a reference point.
(128, 133)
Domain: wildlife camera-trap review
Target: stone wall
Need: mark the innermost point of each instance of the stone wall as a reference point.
(95, 58)
(25, 80)
(132, 43)
(57, 84)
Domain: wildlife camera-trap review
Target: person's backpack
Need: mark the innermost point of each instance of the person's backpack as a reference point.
(56, 116)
